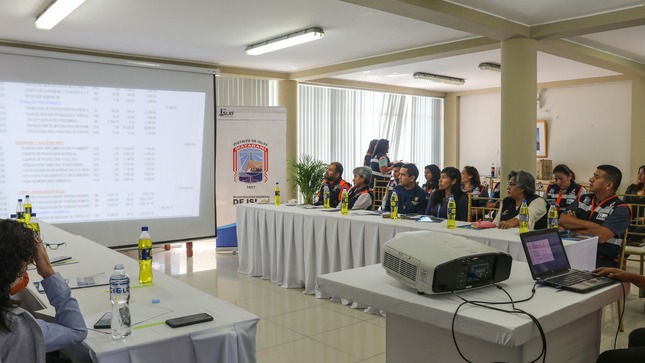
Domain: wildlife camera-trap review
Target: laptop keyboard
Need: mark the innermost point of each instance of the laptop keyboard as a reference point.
(570, 278)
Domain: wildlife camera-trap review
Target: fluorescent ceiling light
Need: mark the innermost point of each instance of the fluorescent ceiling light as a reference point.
(488, 66)
(55, 12)
(299, 37)
(439, 79)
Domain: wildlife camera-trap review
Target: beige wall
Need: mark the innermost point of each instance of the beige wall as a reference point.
(588, 125)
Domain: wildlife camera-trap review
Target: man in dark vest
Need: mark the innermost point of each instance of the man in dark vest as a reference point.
(601, 213)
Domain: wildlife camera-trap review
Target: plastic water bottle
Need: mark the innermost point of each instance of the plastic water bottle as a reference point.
(20, 211)
(394, 205)
(344, 206)
(27, 209)
(492, 170)
(524, 217)
(145, 257)
(552, 217)
(451, 212)
(277, 193)
(120, 298)
(33, 224)
(326, 196)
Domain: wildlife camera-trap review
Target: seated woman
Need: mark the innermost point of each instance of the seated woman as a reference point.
(635, 193)
(521, 186)
(565, 190)
(448, 185)
(23, 338)
(471, 184)
(431, 174)
(360, 196)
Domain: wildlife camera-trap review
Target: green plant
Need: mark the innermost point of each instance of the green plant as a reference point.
(306, 175)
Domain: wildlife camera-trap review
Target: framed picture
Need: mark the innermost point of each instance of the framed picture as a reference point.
(541, 142)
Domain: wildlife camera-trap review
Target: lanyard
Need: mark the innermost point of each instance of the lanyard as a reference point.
(593, 207)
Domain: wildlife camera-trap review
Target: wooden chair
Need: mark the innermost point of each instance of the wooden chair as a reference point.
(635, 236)
(632, 248)
(482, 213)
(379, 191)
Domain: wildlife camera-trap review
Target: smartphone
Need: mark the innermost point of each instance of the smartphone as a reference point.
(188, 320)
(105, 322)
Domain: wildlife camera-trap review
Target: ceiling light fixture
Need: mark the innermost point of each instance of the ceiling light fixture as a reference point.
(291, 39)
(439, 79)
(55, 12)
(488, 66)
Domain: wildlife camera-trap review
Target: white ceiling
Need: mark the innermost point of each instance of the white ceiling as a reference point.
(360, 44)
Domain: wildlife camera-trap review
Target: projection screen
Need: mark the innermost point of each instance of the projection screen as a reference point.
(103, 147)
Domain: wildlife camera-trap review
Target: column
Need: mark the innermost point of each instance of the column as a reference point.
(519, 110)
(288, 97)
(451, 131)
(637, 148)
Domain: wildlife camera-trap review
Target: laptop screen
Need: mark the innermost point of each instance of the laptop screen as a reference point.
(545, 252)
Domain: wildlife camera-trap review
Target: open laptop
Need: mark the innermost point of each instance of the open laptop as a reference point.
(549, 264)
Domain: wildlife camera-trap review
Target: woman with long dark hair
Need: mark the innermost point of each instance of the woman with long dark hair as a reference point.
(432, 174)
(471, 185)
(637, 190)
(367, 160)
(381, 165)
(449, 184)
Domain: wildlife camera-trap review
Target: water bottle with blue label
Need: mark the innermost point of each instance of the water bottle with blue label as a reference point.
(120, 298)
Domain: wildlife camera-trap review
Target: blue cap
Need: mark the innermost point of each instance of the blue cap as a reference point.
(156, 301)
(144, 228)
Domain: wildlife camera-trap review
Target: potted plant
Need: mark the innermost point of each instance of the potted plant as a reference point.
(306, 175)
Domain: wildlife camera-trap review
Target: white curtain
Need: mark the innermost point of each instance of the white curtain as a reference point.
(234, 91)
(337, 124)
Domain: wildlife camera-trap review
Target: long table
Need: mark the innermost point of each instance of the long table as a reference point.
(291, 245)
(419, 326)
(230, 337)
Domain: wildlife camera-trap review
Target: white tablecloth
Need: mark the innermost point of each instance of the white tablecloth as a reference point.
(291, 245)
(230, 337)
(419, 325)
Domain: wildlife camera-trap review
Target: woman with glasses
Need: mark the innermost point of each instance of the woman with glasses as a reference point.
(521, 186)
(23, 338)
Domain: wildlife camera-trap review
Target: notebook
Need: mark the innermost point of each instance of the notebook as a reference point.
(549, 264)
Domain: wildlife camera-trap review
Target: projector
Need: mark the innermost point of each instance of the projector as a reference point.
(434, 263)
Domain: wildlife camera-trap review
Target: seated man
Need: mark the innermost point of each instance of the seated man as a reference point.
(23, 338)
(334, 181)
(412, 198)
(601, 213)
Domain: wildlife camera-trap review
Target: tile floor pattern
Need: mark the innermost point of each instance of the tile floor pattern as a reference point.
(300, 328)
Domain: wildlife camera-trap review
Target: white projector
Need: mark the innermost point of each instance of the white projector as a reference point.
(433, 262)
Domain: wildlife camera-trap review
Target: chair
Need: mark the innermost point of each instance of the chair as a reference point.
(632, 245)
(482, 213)
(379, 191)
(635, 236)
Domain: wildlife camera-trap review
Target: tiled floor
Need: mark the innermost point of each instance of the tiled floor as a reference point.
(300, 328)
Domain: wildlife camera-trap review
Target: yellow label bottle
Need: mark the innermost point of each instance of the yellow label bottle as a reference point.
(145, 256)
(344, 207)
(451, 212)
(394, 205)
(277, 194)
(524, 217)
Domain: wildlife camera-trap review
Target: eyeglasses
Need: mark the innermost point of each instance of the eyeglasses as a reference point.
(54, 246)
(510, 185)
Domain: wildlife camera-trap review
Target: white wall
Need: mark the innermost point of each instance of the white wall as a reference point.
(587, 126)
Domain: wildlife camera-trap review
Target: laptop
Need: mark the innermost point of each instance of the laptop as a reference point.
(549, 264)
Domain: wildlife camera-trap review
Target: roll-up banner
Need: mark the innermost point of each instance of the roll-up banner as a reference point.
(251, 158)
